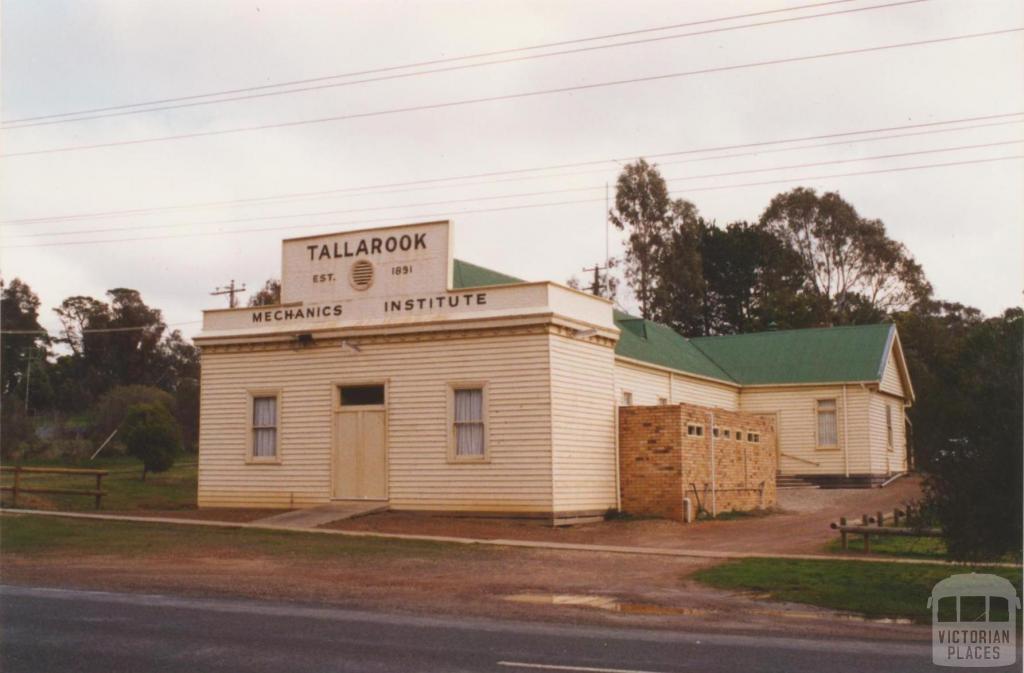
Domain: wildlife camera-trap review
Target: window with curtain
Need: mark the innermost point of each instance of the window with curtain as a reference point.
(264, 427)
(888, 424)
(828, 429)
(468, 418)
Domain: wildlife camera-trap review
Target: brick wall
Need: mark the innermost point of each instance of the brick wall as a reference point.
(662, 460)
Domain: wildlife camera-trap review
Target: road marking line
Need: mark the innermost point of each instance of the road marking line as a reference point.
(554, 667)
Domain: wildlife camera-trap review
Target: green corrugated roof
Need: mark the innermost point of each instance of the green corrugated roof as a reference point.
(817, 355)
(659, 344)
(466, 275)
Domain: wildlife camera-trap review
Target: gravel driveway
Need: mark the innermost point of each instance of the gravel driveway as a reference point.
(799, 525)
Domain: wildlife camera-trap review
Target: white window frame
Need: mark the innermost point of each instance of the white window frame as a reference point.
(250, 447)
(453, 456)
(817, 423)
(663, 401)
(698, 429)
(753, 437)
(626, 398)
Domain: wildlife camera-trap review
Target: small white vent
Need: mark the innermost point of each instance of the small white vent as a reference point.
(361, 276)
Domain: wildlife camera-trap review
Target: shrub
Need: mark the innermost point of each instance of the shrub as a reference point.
(151, 435)
(17, 433)
(186, 397)
(111, 409)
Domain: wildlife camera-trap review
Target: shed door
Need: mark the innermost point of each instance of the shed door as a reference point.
(360, 452)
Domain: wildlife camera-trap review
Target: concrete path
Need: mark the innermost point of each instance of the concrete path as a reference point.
(606, 549)
(318, 516)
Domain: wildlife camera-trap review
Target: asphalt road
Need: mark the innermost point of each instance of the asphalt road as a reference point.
(65, 631)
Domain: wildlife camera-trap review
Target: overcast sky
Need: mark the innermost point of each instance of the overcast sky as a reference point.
(962, 222)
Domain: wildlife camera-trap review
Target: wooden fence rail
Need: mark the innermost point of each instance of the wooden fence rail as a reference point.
(866, 529)
(20, 471)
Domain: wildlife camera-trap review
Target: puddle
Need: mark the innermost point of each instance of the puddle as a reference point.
(797, 614)
(604, 603)
(614, 605)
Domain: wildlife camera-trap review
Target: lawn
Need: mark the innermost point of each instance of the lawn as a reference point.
(904, 547)
(170, 490)
(907, 547)
(875, 590)
(32, 535)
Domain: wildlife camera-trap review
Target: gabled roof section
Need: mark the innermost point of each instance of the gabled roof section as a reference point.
(661, 345)
(466, 275)
(816, 355)
(896, 346)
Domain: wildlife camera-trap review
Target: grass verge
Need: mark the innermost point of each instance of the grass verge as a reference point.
(875, 590)
(906, 547)
(39, 535)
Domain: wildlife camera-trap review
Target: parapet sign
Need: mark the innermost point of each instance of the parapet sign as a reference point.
(390, 262)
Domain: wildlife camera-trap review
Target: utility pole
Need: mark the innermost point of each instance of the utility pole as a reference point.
(231, 291)
(607, 225)
(30, 355)
(595, 287)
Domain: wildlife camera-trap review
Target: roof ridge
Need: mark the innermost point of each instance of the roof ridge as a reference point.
(791, 330)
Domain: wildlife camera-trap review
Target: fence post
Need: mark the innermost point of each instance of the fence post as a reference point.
(99, 483)
(843, 534)
(867, 542)
(881, 520)
(17, 484)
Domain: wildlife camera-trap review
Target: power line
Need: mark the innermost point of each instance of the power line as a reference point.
(833, 162)
(904, 169)
(514, 96)
(515, 195)
(103, 330)
(439, 61)
(11, 125)
(443, 214)
(519, 171)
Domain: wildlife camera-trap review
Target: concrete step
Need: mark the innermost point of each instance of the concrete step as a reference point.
(312, 517)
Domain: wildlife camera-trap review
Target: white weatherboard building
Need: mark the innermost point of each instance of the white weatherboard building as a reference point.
(392, 372)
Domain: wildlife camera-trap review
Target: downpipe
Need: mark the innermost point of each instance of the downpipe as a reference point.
(714, 486)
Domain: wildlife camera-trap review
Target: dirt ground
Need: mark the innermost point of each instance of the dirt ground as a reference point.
(539, 585)
(546, 585)
(800, 524)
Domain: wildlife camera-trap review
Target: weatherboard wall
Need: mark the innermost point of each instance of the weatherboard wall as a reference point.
(417, 371)
(582, 424)
(650, 385)
(892, 382)
(886, 459)
(796, 410)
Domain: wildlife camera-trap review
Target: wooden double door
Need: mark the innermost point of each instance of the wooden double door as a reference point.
(360, 446)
